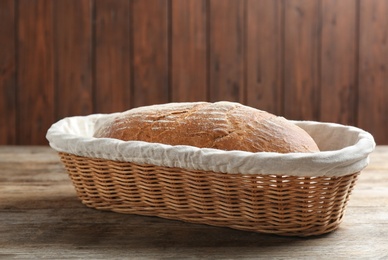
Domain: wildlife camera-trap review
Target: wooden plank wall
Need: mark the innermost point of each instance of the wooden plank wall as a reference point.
(303, 59)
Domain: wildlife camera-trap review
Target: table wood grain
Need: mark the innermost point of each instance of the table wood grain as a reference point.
(41, 218)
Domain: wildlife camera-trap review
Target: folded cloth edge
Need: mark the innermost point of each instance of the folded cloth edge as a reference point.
(74, 135)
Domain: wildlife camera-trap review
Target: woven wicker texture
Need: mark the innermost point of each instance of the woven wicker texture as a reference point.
(276, 204)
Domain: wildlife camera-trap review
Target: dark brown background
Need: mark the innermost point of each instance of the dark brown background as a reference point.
(320, 60)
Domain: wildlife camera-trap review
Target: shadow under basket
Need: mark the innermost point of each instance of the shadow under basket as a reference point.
(275, 204)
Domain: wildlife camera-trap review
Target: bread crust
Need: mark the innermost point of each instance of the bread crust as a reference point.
(221, 125)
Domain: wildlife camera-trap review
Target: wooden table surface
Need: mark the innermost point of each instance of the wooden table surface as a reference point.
(41, 218)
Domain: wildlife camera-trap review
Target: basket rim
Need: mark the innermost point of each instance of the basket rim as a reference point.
(74, 135)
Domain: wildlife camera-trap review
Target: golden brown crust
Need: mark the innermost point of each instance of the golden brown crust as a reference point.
(220, 125)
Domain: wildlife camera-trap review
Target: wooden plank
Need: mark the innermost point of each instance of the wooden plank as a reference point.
(150, 28)
(373, 69)
(227, 51)
(339, 61)
(112, 60)
(301, 57)
(189, 50)
(73, 67)
(35, 75)
(7, 73)
(265, 55)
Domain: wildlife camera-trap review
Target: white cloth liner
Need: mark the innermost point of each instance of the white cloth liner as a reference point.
(344, 150)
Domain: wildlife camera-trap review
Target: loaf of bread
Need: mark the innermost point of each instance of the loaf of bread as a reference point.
(221, 125)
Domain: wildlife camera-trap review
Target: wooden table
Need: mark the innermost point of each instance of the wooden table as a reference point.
(41, 217)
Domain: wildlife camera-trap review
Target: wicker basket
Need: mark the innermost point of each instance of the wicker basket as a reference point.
(280, 203)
